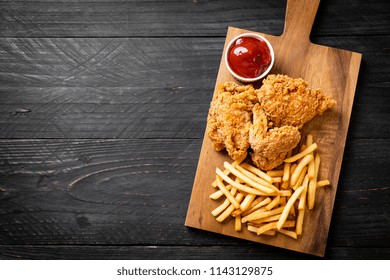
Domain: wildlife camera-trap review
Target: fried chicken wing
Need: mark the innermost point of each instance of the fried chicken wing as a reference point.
(289, 101)
(230, 117)
(270, 147)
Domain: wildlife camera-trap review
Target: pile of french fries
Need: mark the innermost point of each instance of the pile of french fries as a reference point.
(272, 201)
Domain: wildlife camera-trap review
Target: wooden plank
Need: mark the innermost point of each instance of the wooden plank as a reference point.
(133, 18)
(107, 62)
(180, 18)
(333, 70)
(49, 191)
(103, 120)
(44, 88)
(105, 192)
(183, 93)
(104, 62)
(152, 62)
(242, 252)
(141, 120)
(103, 95)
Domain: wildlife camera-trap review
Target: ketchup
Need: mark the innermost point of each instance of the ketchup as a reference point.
(249, 57)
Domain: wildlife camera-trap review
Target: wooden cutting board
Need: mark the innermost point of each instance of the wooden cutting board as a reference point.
(333, 70)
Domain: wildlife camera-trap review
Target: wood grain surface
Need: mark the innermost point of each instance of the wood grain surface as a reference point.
(335, 72)
(96, 191)
(103, 108)
(46, 103)
(137, 18)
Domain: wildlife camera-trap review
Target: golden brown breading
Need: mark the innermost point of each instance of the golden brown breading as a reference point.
(270, 147)
(230, 117)
(266, 120)
(288, 101)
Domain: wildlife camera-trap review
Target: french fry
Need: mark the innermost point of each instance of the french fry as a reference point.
(305, 161)
(258, 200)
(276, 179)
(313, 184)
(285, 184)
(275, 173)
(272, 226)
(249, 212)
(255, 178)
(287, 208)
(221, 208)
(292, 210)
(288, 233)
(237, 223)
(257, 171)
(302, 154)
(249, 198)
(224, 205)
(266, 227)
(254, 230)
(273, 203)
(300, 179)
(261, 213)
(248, 180)
(311, 170)
(323, 183)
(265, 220)
(225, 214)
(301, 215)
(227, 172)
(302, 199)
(239, 186)
(285, 192)
(228, 195)
(309, 140)
(236, 212)
(257, 206)
(286, 172)
(292, 168)
(311, 194)
(270, 202)
(218, 194)
(301, 207)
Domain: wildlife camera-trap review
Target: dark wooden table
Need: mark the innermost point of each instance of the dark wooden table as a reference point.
(103, 109)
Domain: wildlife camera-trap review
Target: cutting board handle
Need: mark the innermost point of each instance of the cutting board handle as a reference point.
(300, 15)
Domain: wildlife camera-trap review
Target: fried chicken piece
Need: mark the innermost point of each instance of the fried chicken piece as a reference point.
(288, 101)
(270, 146)
(230, 117)
(279, 109)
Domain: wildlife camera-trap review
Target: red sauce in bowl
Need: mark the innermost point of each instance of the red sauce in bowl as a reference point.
(249, 57)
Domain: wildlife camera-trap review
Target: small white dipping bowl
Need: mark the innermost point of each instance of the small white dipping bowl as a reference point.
(262, 75)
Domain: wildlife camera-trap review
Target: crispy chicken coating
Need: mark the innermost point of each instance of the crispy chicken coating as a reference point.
(230, 117)
(289, 101)
(270, 147)
(266, 120)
